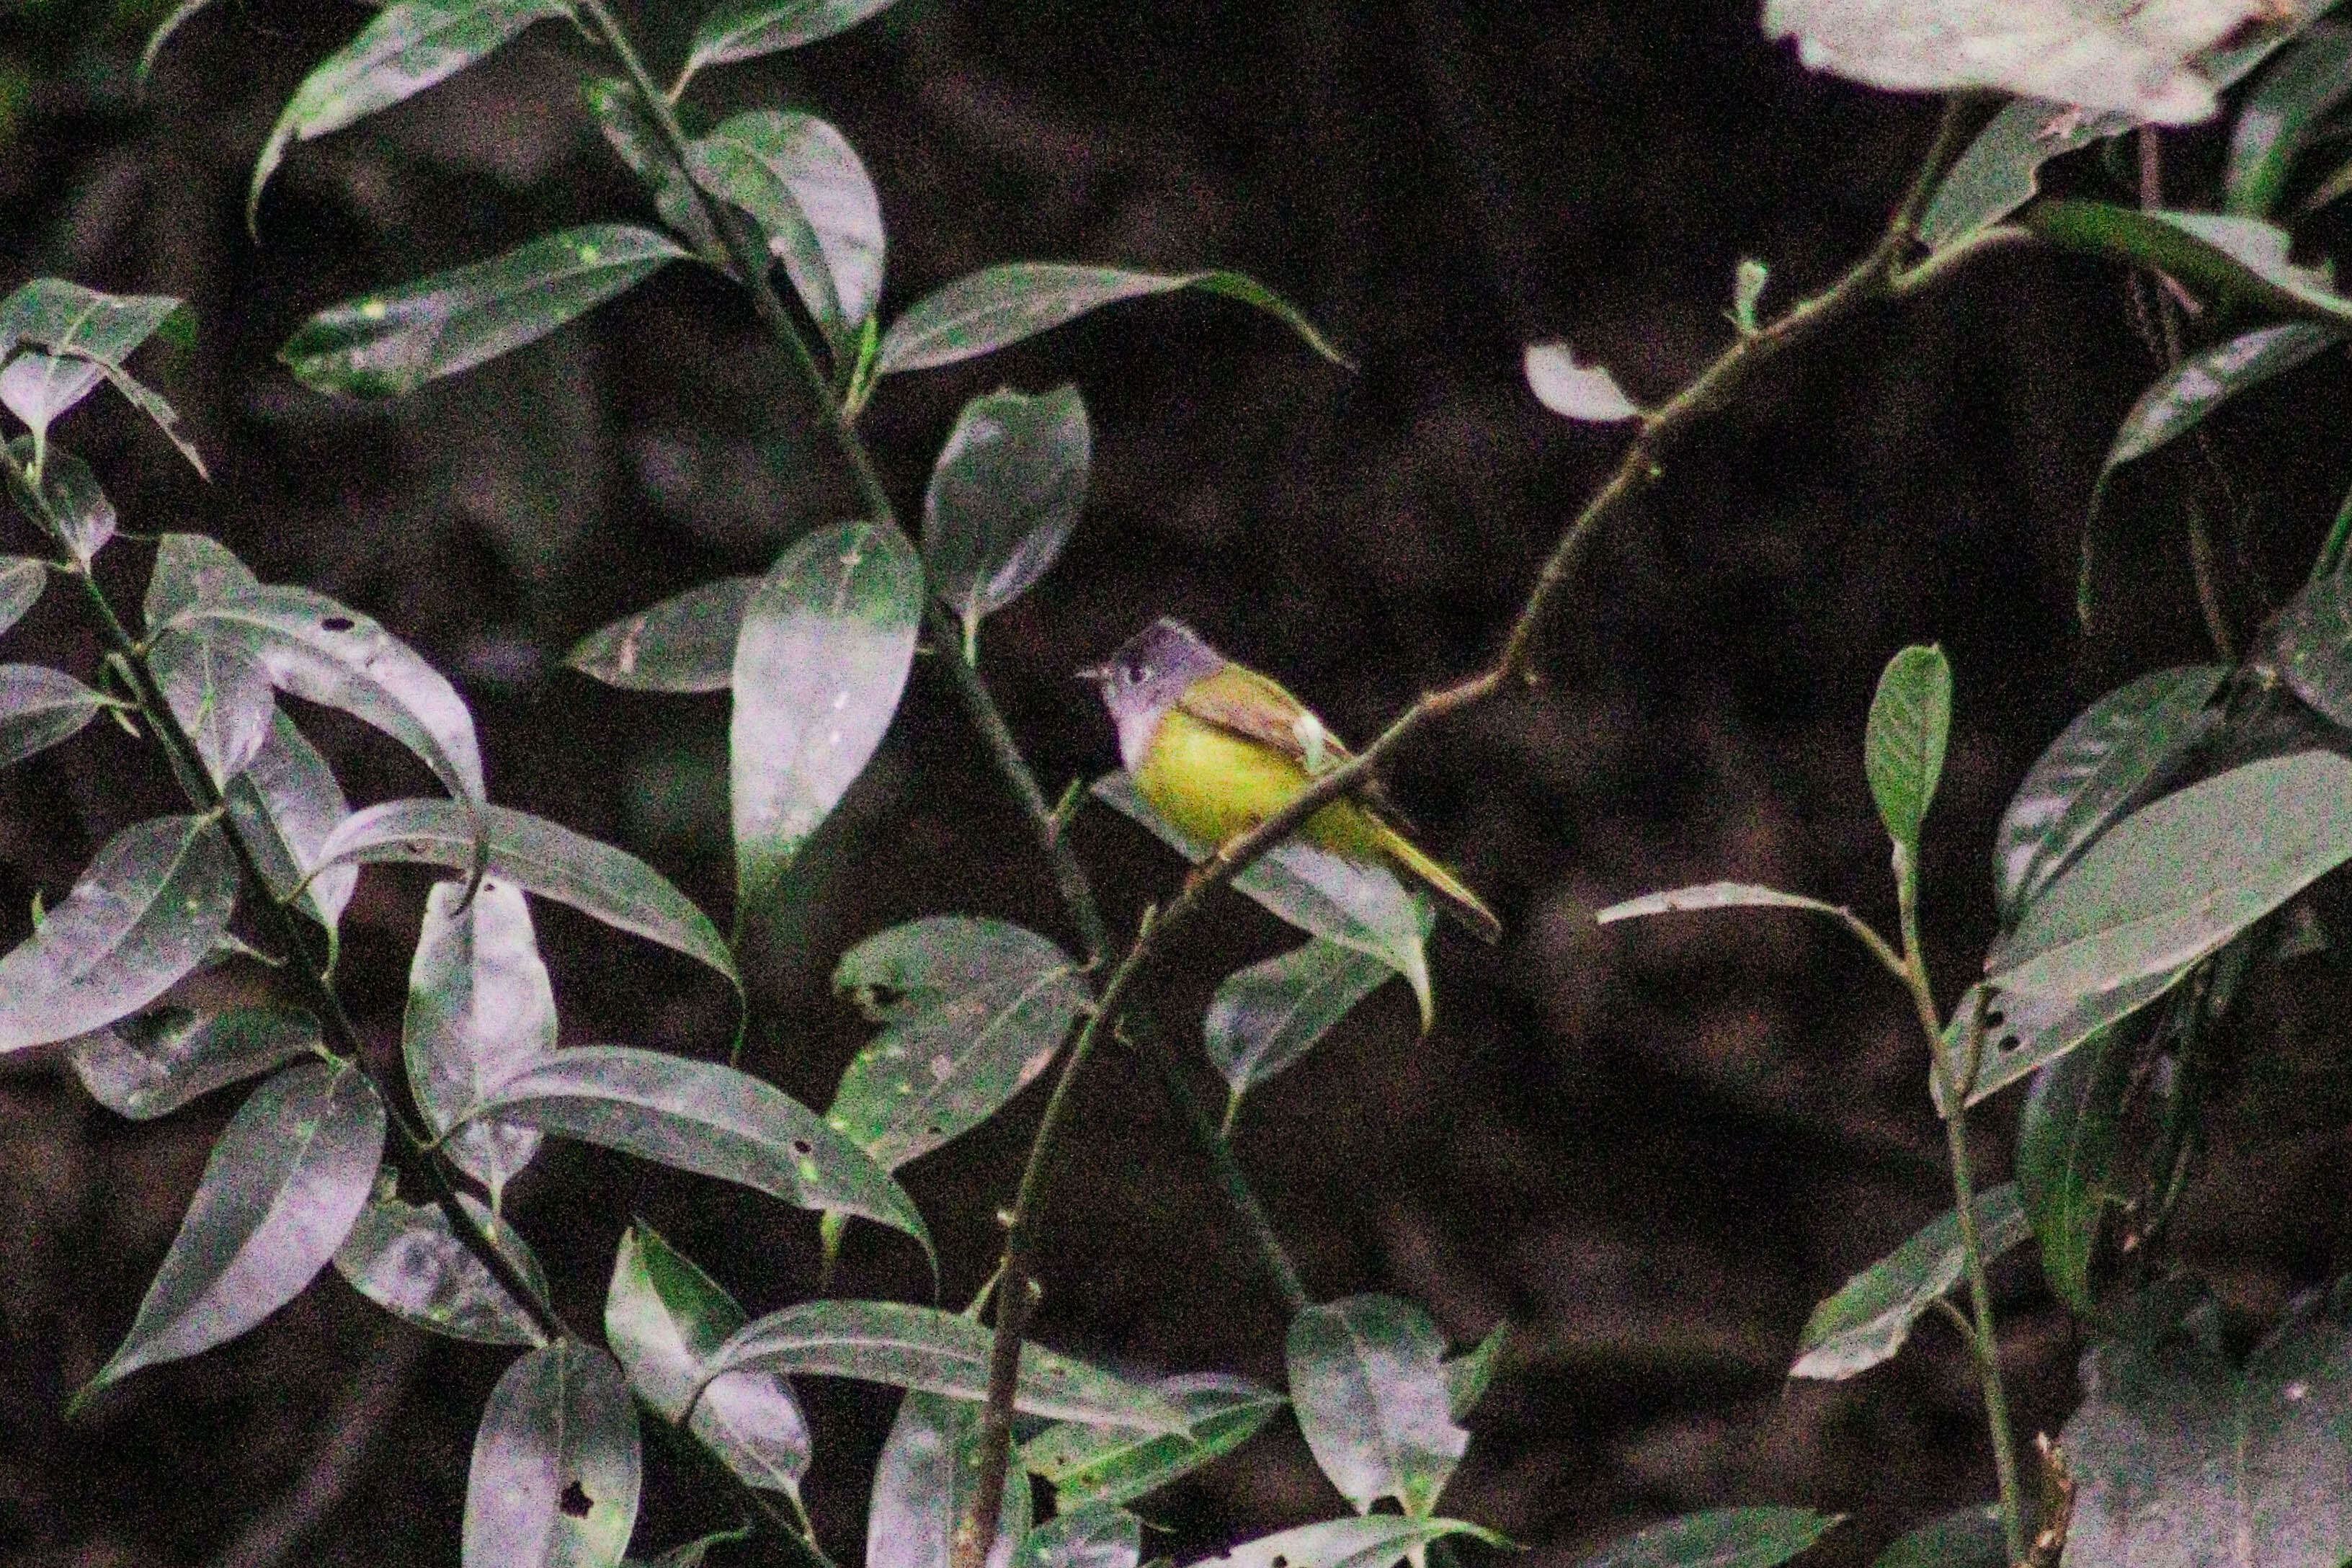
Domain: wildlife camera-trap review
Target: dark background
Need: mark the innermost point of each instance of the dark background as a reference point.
(1651, 1148)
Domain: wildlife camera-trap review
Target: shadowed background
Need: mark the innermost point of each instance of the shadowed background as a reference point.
(1650, 1147)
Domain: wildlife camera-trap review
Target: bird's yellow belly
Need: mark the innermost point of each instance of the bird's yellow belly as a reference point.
(1214, 785)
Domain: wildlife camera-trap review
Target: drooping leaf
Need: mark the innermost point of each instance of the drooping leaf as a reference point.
(705, 1118)
(2174, 880)
(1265, 1017)
(39, 388)
(663, 1317)
(938, 1352)
(2314, 644)
(2066, 1139)
(406, 1259)
(1724, 1538)
(290, 1173)
(2182, 1458)
(480, 1010)
(410, 46)
(1964, 1538)
(805, 186)
(545, 857)
(21, 581)
(152, 1064)
(1003, 498)
(823, 659)
(2031, 1032)
(1376, 1541)
(146, 912)
(985, 310)
(1903, 748)
(1102, 1466)
(105, 328)
(686, 643)
(1468, 1375)
(2001, 171)
(2236, 258)
(1368, 1380)
(220, 693)
(69, 494)
(40, 707)
(973, 1010)
(390, 343)
(1575, 391)
(2276, 120)
(1872, 1314)
(2184, 396)
(285, 805)
(1363, 908)
(629, 129)
(745, 29)
(925, 1482)
(1086, 1537)
(190, 569)
(2114, 750)
(556, 1467)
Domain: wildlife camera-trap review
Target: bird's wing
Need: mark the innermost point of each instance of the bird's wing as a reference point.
(1258, 708)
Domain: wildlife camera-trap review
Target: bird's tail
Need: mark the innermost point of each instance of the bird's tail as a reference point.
(1454, 897)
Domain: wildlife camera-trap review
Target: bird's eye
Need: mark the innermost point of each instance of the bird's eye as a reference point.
(1134, 673)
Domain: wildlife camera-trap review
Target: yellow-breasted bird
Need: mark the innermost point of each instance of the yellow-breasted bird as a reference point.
(1216, 748)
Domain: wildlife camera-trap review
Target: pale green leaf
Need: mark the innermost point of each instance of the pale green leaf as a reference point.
(1468, 1375)
(1004, 497)
(1872, 1314)
(1576, 391)
(1903, 748)
(556, 1467)
(1265, 1017)
(805, 186)
(925, 1482)
(2066, 1142)
(2279, 117)
(406, 1259)
(22, 579)
(105, 328)
(69, 494)
(1713, 896)
(190, 569)
(1368, 1381)
(480, 1010)
(745, 29)
(40, 707)
(2313, 643)
(152, 1064)
(39, 388)
(285, 806)
(1087, 1538)
(1094, 1466)
(2001, 171)
(2184, 396)
(629, 129)
(686, 643)
(2030, 1032)
(219, 691)
(1376, 1541)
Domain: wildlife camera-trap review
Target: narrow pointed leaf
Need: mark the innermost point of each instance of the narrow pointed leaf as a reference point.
(823, 659)
(973, 1010)
(22, 579)
(925, 1482)
(1574, 391)
(190, 569)
(2066, 1139)
(40, 707)
(805, 186)
(1087, 1538)
(1265, 1017)
(1003, 498)
(1871, 1316)
(629, 129)
(1965, 1538)
(702, 1117)
(39, 388)
(2114, 751)
(543, 856)
(146, 912)
(2313, 647)
(390, 343)
(405, 1258)
(1725, 1538)
(410, 46)
(221, 694)
(152, 1064)
(986, 311)
(556, 1467)
(480, 1010)
(2001, 171)
(939, 1352)
(1368, 1380)
(745, 29)
(290, 1173)
(181, 14)
(2235, 259)
(686, 643)
(1469, 1375)
(285, 805)
(1713, 896)
(2184, 396)
(1902, 749)
(1376, 1541)
(2277, 119)
(69, 493)
(1102, 1466)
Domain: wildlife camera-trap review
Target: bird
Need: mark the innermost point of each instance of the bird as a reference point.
(1216, 748)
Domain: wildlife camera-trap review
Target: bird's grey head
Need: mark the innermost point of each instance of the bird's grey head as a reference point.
(1143, 679)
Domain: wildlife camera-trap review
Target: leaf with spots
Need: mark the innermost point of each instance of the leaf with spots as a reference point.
(556, 1466)
(405, 1258)
(1367, 1379)
(1102, 1466)
(924, 1485)
(152, 1064)
(480, 1010)
(686, 643)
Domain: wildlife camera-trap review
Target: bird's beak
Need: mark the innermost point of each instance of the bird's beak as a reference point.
(1093, 675)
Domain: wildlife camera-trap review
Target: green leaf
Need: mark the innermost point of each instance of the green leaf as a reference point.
(1725, 1538)
(630, 130)
(2182, 396)
(1267, 1017)
(1087, 1538)
(802, 184)
(412, 44)
(545, 857)
(69, 492)
(1101, 1466)
(937, 1352)
(1363, 907)
(1965, 1538)
(105, 328)
(556, 1467)
(1713, 896)
(1575, 391)
(2031, 1032)
(40, 707)
(1468, 1375)
(826, 648)
(406, 1259)
(285, 805)
(290, 1173)
(2181, 1458)
(2313, 647)
(190, 569)
(982, 312)
(1376, 1541)
(1871, 1316)
(691, 1553)
(1003, 498)
(924, 1483)
(2174, 881)
(746, 29)
(704, 1118)
(2114, 750)
(21, 581)
(2234, 258)
(480, 1010)
(152, 1064)
(181, 14)
(221, 694)
(2066, 1139)
(1368, 1380)
(39, 388)
(663, 1317)
(390, 343)
(2001, 171)
(2276, 120)
(1902, 749)
(145, 913)
(686, 643)
(1747, 283)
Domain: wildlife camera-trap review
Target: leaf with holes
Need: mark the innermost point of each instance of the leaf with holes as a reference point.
(406, 1259)
(556, 1467)
(1725, 1538)
(805, 186)
(705, 1118)
(1376, 1541)
(629, 129)
(2029, 1033)
(925, 1482)
(746, 29)
(1872, 1314)
(1903, 747)
(220, 693)
(290, 1173)
(104, 328)
(145, 913)
(152, 1064)
(286, 804)
(69, 494)
(986, 311)
(1086, 1538)
(1265, 1017)
(22, 579)
(2240, 260)
(1368, 1380)
(480, 1010)
(2066, 1139)
(40, 707)
(939, 1352)
(823, 659)
(1101, 1466)
(664, 1318)
(1003, 498)
(686, 643)
(1575, 391)
(390, 343)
